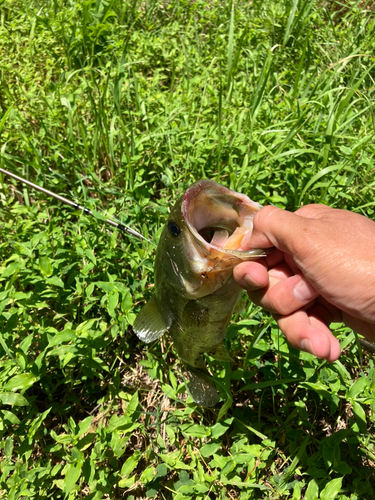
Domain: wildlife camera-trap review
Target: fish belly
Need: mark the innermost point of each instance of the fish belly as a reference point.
(201, 328)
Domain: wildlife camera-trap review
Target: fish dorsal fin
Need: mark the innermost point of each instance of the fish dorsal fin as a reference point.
(149, 324)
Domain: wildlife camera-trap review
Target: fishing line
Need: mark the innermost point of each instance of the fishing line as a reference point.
(119, 225)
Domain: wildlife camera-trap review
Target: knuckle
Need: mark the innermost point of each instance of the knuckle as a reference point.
(265, 214)
(280, 300)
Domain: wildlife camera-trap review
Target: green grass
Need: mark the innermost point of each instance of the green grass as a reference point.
(121, 105)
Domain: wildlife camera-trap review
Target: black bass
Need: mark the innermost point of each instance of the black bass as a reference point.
(195, 292)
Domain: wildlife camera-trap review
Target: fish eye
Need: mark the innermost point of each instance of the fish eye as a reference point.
(173, 229)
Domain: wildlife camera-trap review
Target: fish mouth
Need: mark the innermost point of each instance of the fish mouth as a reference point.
(219, 219)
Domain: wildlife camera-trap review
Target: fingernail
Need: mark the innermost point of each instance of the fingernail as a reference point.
(304, 292)
(306, 345)
(251, 282)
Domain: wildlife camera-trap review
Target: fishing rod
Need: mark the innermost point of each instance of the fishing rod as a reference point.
(119, 225)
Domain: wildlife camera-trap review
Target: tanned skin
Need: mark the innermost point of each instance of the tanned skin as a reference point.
(321, 271)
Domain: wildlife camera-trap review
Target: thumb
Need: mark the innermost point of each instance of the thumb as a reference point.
(279, 228)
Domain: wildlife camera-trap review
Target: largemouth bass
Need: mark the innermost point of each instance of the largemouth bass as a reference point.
(195, 292)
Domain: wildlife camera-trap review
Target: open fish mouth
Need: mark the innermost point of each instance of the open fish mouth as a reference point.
(219, 219)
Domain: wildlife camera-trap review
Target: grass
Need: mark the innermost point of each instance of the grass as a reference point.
(121, 105)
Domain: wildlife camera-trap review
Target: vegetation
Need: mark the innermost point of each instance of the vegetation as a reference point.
(121, 104)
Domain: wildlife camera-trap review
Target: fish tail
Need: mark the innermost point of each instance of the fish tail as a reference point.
(201, 386)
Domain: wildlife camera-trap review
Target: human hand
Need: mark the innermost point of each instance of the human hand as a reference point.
(321, 271)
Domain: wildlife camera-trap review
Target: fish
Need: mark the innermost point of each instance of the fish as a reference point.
(195, 292)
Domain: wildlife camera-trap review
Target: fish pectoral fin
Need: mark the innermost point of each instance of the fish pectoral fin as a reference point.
(149, 324)
(240, 305)
(220, 353)
(201, 386)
